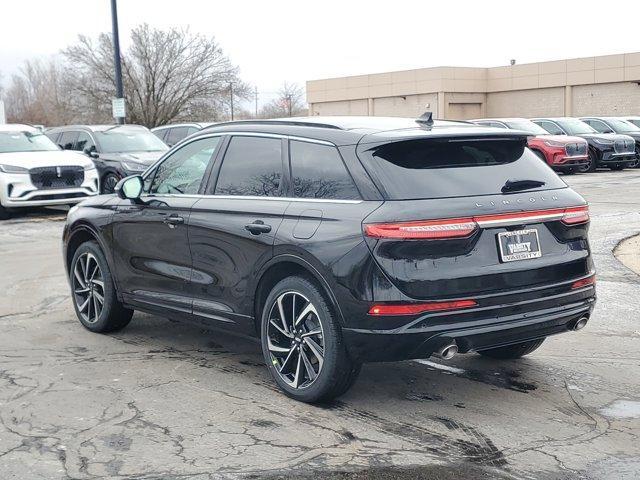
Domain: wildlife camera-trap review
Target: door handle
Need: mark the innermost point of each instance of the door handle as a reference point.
(173, 221)
(258, 227)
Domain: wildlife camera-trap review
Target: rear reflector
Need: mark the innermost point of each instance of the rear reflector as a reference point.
(465, 227)
(585, 282)
(416, 308)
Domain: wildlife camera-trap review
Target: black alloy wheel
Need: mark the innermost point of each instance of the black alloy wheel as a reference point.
(302, 342)
(109, 183)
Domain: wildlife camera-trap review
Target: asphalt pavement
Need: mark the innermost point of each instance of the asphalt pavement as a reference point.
(163, 399)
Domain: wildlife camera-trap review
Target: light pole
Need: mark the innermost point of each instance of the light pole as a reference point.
(116, 56)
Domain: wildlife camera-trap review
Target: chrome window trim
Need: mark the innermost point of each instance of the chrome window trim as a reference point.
(250, 197)
(247, 197)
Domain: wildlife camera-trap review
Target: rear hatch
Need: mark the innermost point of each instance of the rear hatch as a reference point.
(472, 215)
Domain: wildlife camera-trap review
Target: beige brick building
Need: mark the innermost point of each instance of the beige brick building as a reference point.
(606, 85)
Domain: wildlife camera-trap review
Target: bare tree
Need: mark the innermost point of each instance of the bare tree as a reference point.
(39, 94)
(168, 76)
(289, 103)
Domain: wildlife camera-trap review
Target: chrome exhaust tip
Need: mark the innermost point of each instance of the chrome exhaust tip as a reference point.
(448, 351)
(580, 323)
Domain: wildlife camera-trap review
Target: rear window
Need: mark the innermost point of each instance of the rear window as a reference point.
(444, 168)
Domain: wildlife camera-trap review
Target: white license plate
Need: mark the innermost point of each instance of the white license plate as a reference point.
(519, 245)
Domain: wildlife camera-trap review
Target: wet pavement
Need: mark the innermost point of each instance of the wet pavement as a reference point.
(163, 399)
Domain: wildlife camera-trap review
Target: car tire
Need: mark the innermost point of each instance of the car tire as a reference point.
(307, 358)
(568, 171)
(108, 183)
(91, 280)
(511, 352)
(4, 213)
(540, 155)
(637, 162)
(591, 165)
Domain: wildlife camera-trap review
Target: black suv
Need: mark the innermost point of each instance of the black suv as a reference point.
(617, 125)
(172, 134)
(339, 241)
(117, 150)
(608, 150)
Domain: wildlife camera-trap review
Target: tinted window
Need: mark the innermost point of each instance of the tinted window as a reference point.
(175, 135)
(550, 127)
(160, 133)
(182, 171)
(67, 140)
(84, 143)
(318, 172)
(192, 130)
(251, 166)
(440, 168)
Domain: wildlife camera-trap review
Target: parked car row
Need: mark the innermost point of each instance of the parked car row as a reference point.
(583, 144)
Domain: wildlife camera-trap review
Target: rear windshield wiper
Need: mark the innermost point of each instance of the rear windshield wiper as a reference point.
(514, 185)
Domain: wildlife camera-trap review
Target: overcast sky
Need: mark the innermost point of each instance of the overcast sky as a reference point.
(273, 41)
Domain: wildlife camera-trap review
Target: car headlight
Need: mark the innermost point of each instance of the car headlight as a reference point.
(134, 166)
(13, 169)
(602, 141)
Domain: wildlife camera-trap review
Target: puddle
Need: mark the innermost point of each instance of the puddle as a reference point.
(622, 409)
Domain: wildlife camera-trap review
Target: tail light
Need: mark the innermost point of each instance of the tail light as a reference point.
(391, 309)
(574, 216)
(430, 229)
(585, 282)
(464, 227)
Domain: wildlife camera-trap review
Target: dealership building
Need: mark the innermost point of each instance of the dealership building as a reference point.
(605, 85)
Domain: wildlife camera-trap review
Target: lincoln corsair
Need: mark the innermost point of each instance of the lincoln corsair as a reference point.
(116, 150)
(341, 240)
(608, 150)
(563, 153)
(617, 125)
(34, 172)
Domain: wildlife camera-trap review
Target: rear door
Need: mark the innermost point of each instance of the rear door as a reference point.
(232, 228)
(150, 237)
(471, 216)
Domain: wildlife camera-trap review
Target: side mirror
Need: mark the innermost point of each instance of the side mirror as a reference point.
(130, 187)
(91, 152)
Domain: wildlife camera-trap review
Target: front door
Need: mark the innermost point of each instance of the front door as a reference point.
(150, 237)
(232, 229)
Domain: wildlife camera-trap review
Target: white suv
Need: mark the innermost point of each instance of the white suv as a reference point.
(34, 172)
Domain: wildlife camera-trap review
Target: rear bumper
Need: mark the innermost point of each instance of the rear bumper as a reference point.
(472, 331)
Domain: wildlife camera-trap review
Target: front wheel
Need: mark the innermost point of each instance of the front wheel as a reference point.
(590, 166)
(510, 352)
(109, 183)
(94, 295)
(4, 213)
(302, 343)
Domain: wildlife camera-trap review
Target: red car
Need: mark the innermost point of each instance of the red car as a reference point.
(562, 152)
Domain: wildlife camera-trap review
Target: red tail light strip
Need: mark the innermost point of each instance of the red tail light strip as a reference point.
(585, 282)
(416, 308)
(465, 227)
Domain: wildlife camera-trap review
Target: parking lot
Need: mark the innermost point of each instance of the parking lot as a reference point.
(163, 399)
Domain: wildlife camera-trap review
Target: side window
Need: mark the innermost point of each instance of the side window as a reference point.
(175, 135)
(192, 130)
(67, 140)
(161, 133)
(600, 126)
(182, 171)
(498, 125)
(252, 166)
(318, 171)
(84, 143)
(550, 127)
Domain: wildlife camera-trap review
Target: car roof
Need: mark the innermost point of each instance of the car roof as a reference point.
(349, 130)
(555, 119)
(95, 128)
(17, 127)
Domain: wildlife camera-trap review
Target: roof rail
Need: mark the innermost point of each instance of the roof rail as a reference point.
(297, 123)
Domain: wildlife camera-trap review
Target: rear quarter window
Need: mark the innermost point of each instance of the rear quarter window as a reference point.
(444, 168)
